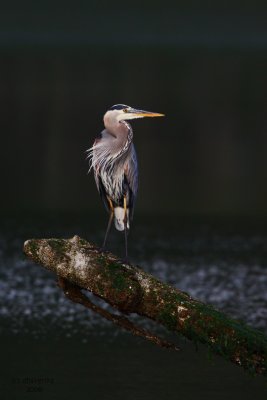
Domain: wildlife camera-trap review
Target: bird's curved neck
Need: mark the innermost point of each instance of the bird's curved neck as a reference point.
(128, 129)
(122, 133)
(128, 138)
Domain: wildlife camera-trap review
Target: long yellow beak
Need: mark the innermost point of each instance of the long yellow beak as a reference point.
(149, 114)
(143, 113)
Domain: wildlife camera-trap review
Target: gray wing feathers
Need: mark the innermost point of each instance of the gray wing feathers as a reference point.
(131, 175)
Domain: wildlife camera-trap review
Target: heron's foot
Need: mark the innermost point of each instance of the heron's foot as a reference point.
(103, 249)
(125, 260)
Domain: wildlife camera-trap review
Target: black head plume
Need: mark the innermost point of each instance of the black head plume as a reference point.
(119, 107)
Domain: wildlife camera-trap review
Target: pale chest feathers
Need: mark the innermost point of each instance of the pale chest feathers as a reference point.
(115, 167)
(113, 182)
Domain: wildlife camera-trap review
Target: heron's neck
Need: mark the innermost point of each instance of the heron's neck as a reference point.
(127, 129)
(116, 128)
(122, 133)
(128, 137)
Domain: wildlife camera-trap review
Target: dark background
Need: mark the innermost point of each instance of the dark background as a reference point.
(63, 64)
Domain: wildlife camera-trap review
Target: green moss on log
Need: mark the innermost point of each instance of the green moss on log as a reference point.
(132, 290)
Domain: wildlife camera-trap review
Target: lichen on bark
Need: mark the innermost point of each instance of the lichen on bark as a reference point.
(132, 290)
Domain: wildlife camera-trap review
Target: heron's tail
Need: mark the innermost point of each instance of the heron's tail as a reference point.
(119, 218)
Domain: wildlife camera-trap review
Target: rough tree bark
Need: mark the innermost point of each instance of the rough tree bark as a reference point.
(128, 288)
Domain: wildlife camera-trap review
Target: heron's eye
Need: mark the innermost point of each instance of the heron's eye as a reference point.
(125, 110)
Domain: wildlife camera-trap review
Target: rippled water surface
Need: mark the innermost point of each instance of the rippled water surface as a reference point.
(222, 263)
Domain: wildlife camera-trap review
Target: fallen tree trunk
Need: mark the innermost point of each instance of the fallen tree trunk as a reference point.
(132, 290)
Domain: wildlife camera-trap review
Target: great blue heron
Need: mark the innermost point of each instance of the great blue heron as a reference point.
(113, 159)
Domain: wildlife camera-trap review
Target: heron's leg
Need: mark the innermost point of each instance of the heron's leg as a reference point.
(125, 228)
(111, 215)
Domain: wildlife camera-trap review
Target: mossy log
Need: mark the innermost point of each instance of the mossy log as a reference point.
(131, 290)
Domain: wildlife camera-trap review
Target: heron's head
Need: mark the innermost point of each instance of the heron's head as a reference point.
(121, 112)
